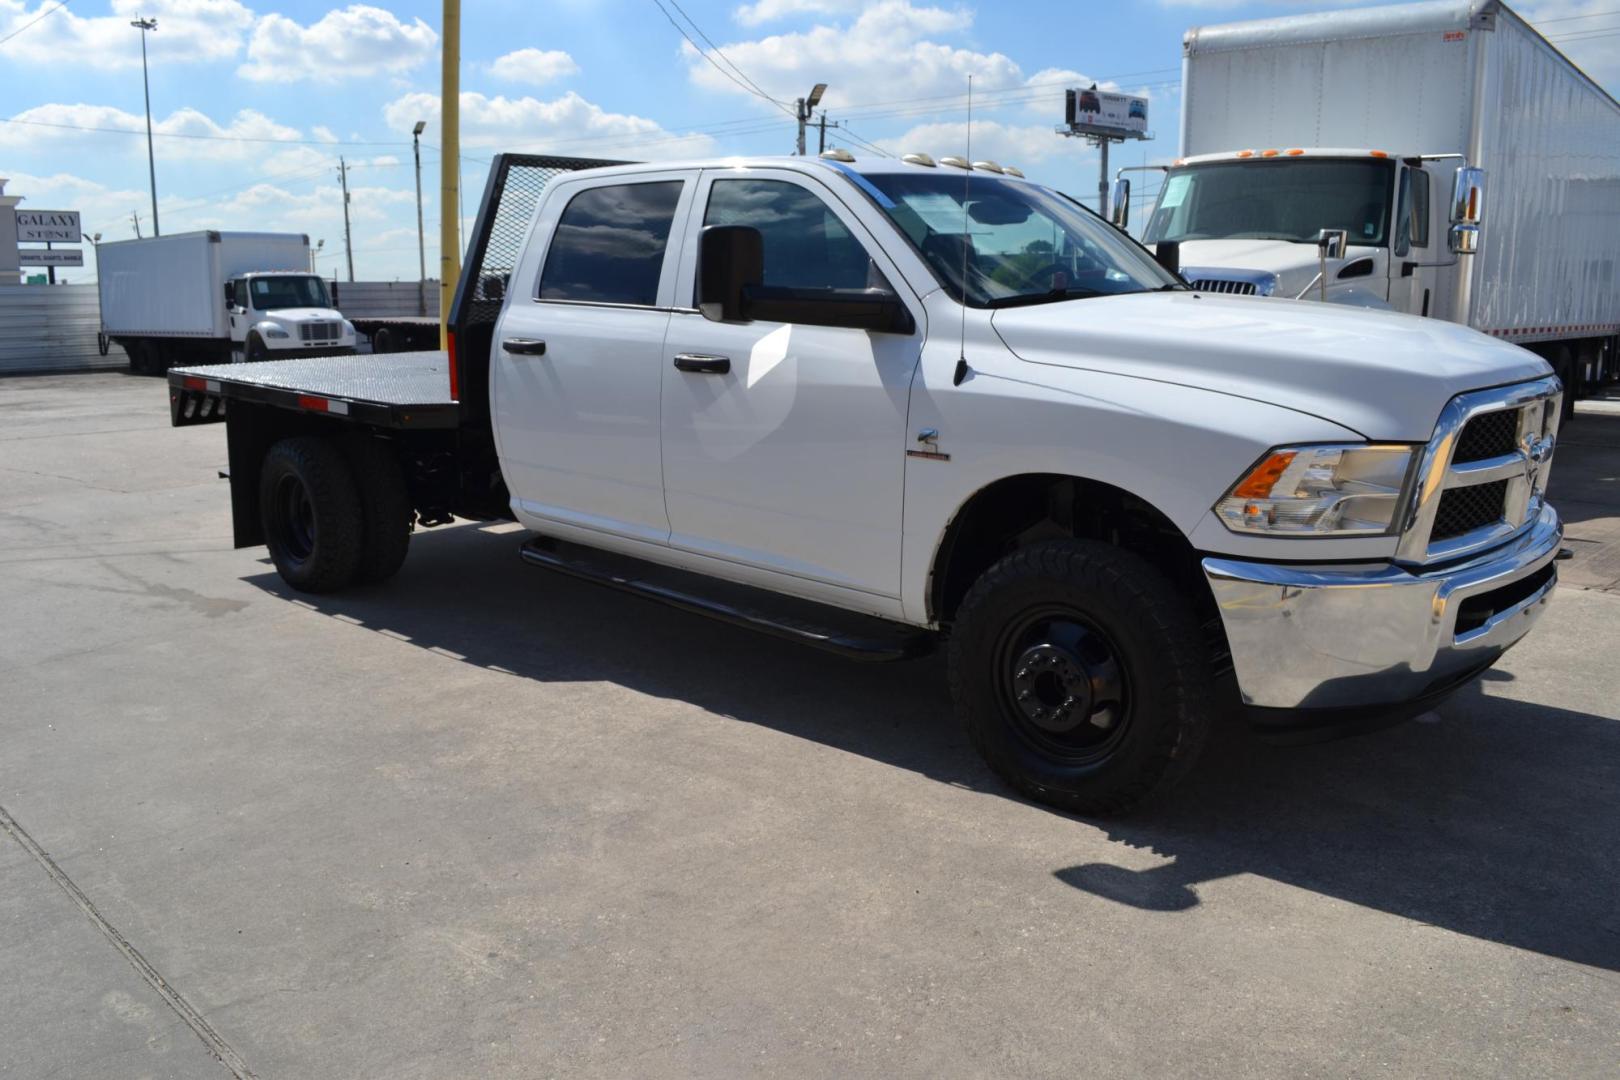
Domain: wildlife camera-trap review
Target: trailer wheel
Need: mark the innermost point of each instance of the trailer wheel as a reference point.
(382, 341)
(103, 343)
(1081, 675)
(386, 514)
(311, 514)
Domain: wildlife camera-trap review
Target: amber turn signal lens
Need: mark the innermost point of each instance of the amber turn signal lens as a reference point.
(1258, 484)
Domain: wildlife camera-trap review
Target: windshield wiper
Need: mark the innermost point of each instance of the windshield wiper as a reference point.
(1025, 299)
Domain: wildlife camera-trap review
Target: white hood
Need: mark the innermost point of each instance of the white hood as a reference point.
(293, 315)
(1294, 266)
(1381, 374)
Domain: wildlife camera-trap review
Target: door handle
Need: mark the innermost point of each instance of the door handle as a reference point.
(524, 346)
(702, 363)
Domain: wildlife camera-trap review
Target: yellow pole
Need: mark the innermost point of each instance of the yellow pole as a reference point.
(449, 166)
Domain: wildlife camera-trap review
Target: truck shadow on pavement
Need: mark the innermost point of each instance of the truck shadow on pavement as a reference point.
(1500, 819)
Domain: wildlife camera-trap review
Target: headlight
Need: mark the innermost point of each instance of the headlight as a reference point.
(1350, 490)
(276, 332)
(348, 329)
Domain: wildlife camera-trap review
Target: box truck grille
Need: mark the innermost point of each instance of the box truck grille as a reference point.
(1488, 435)
(318, 332)
(1483, 475)
(1462, 510)
(1223, 285)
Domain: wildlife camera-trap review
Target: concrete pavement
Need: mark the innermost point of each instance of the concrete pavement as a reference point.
(485, 821)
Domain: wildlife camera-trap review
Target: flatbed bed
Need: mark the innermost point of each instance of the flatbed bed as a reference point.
(401, 390)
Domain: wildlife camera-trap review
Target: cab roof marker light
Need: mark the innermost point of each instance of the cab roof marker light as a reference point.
(1245, 153)
(837, 154)
(1011, 171)
(918, 159)
(955, 162)
(1268, 153)
(1377, 153)
(1294, 153)
(987, 166)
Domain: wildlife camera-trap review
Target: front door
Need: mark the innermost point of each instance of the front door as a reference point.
(1412, 271)
(784, 444)
(577, 354)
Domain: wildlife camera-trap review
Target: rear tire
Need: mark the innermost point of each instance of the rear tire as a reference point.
(382, 341)
(386, 514)
(1570, 375)
(1081, 676)
(310, 510)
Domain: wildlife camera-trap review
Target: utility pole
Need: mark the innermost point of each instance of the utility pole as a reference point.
(822, 142)
(449, 169)
(804, 107)
(348, 239)
(135, 216)
(143, 25)
(421, 239)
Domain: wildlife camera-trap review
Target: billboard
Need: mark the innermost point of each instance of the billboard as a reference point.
(48, 226)
(1102, 112)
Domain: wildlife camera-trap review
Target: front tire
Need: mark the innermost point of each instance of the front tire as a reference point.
(255, 350)
(1081, 675)
(310, 510)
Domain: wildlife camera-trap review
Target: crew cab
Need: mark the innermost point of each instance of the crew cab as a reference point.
(884, 406)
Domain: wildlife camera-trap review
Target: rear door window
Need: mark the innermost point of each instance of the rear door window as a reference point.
(609, 244)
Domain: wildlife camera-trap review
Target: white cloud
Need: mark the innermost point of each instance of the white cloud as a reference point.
(195, 134)
(355, 41)
(188, 31)
(884, 53)
(533, 66)
(765, 11)
(569, 124)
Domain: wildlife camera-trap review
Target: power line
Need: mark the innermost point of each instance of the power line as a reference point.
(1572, 18)
(35, 19)
(862, 142)
(197, 135)
(746, 85)
(728, 61)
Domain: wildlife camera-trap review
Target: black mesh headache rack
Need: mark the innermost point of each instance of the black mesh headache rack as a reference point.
(408, 390)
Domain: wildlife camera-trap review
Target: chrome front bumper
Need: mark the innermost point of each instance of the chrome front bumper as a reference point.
(1318, 637)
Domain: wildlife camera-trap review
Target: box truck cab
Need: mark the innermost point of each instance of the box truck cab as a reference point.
(1381, 132)
(275, 314)
(1250, 224)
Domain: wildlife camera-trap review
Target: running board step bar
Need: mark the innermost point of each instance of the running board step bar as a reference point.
(850, 635)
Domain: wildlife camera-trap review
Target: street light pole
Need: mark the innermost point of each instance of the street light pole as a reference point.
(421, 238)
(143, 25)
(804, 106)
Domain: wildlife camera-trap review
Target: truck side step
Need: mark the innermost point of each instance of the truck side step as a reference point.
(850, 635)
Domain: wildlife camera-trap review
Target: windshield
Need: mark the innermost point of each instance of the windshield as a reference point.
(292, 290)
(1022, 243)
(1292, 199)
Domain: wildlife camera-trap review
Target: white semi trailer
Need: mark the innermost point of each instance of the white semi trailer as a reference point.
(1473, 169)
(212, 297)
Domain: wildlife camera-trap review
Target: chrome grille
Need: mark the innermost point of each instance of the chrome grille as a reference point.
(1483, 474)
(320, 331)
(1223, 285)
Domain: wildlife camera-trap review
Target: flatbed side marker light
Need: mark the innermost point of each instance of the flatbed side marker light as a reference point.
(450, 351)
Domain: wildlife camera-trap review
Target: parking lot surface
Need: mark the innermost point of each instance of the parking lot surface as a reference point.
(486, 821)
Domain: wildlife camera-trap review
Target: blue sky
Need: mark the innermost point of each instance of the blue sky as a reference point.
(255, 104)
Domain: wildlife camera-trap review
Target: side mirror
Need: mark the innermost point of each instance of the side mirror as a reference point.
(1167, 253)
(1331, 243)
(1467, 210)
(230, 294)
(1120, 201)
(1468, 196)
(730, 257)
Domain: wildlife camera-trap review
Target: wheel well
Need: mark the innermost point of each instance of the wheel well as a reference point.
(1021, 510)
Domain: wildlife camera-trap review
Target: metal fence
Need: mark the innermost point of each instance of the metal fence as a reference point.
(383, 299)
(45, 328)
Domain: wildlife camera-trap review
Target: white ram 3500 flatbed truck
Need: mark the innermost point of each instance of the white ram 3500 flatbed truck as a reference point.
(1473, 168)
(877, 405)
(216, 297)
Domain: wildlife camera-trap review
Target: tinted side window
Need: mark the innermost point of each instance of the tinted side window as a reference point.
(609, 245)
(806, 246)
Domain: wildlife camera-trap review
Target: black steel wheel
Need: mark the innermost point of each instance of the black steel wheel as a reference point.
(1081, 676)
(311, 514)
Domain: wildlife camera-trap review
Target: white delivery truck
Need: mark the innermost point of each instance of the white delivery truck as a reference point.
(1474, 170)
(211, 297)
(880, 405)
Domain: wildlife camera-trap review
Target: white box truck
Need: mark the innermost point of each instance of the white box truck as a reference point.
(212, 297)
(1474, 170)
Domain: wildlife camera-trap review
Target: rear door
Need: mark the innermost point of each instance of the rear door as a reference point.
(578, 355)
(784, 444)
